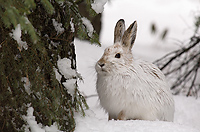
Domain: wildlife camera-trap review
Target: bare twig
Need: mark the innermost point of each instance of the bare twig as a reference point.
(181, 68)
(89, 96)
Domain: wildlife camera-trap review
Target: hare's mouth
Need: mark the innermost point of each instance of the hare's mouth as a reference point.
(103, 70)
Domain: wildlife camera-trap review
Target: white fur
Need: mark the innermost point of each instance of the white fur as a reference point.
(135, 87)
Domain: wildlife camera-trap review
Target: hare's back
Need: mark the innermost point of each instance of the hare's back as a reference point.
(148, 72)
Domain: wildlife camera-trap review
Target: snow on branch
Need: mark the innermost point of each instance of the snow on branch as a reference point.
(58, 26)
(71, 75)
(88, 25)
(37, 127)
(16, 35)
(98, 5)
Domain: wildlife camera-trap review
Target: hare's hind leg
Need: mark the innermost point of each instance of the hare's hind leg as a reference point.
(121, 116)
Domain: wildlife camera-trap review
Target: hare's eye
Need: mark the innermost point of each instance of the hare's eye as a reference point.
(117, 55)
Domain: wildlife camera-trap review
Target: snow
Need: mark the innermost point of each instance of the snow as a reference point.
(58, 26)
(31, 121)
(187, 111)
(72, 25)
(16, 35)
(58, 76)
(34, 126)
(90, 123)
(70, 85)
(27, 85)
(98, 5)
(88, 25)
(64, 66)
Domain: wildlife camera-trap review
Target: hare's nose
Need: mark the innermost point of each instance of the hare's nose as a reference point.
(101, 64)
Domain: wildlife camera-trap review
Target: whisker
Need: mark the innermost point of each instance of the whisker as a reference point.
(90, 96)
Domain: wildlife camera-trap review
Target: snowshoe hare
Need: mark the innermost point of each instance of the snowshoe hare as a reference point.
(130, 88)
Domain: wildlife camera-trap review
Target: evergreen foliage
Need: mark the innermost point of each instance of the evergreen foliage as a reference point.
(27, 66)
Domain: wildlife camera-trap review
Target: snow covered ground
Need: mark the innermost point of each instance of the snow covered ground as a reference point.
(177, 16)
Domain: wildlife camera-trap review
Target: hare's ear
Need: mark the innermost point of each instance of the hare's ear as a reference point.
(129, 36)
(119, 30)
